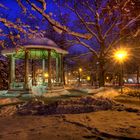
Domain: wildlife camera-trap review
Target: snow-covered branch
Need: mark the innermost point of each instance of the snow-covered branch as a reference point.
(110, 29)
(57, 25)
(98, 27)
(43, 4)
(90, 23)
(86, 4)
(1, 5)
(87, 46)
(114, 42)
(130, 22)
(22, 6)
(125, 3)
(9, 24)
(2, 43)
(80, 55)
(118, 39)
(84, 23)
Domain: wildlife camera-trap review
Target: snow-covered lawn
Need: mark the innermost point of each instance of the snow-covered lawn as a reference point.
(104, 92)
(102, 125)
(117, 122)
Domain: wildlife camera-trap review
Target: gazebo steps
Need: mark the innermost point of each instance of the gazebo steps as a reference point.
(18, 91)
(58, 87)
(55, 93)
(55, 90)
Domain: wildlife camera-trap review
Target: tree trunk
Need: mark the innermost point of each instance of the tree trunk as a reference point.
(101, 72)
(138, 75)
(92, 79)
(79, 78)
(119, 79)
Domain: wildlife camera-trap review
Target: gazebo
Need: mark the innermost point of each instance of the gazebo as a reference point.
(42, 49)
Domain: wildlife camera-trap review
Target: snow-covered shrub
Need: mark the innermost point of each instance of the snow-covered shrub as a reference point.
(135, 92)
(108, 93)
(73, 106)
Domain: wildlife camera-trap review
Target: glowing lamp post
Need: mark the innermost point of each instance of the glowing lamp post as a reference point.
(120, 56)
(88, 78)
(79, 71)
(46, 75)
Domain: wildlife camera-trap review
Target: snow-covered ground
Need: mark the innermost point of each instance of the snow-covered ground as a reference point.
(104, 92)
(102, 125)
(39, 90)
(3, 93)
(36, 91)
(108, 93)
(110, 124)
(56, 94)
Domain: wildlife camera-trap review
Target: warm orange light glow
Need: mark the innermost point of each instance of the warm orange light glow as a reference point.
(39, 71)
(80, 69)
(121, 55)
(46, 75)
(88, 78)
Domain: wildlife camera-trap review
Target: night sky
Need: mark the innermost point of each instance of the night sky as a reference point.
(14, 12)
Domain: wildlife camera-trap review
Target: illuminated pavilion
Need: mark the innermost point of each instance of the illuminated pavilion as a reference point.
(42, 49)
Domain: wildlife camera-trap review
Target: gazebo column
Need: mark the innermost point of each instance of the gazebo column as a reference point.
(26, 84)
(49, 69)
(61, 69)
(57, 69)
(43, 69)
(33, 72)
(12, 71)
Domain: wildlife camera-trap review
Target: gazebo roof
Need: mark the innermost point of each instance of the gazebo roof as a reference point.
(39, 41)
(37, 47)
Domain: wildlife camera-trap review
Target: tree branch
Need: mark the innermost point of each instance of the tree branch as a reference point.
(84, 22)
(87, 46)
(22, 6)
(12, 25)
(130, 22)
(58, 25)
(76, 57)
(1, 5)
(98, 27)
(114, 43)
(110, 29)
(43, 4)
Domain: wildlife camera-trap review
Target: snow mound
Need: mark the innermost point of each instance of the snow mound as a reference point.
(3, 92)
(8, 101)
(72, 106)
(56, 94)
(92, 90)
(108, 93)
(38, 90)
(8, 111)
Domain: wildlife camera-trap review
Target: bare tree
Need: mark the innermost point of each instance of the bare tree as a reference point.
(104, 22)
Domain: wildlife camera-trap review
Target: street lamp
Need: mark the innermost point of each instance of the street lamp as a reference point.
(88, 78)
(80, 70)
(121, 55)
(46, 75)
